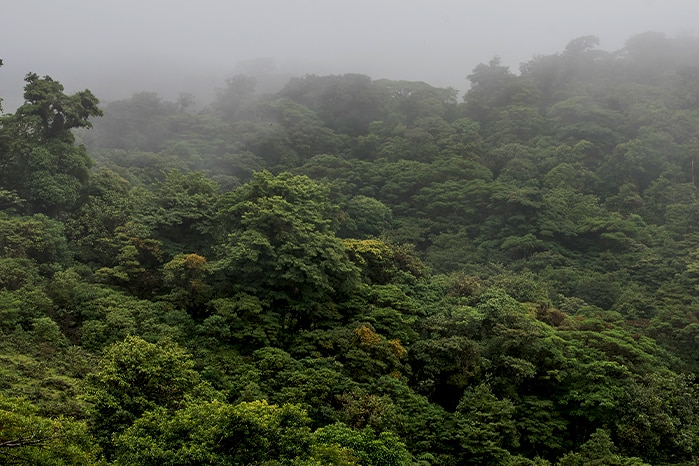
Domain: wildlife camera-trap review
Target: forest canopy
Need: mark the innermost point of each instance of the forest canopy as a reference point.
(359, 272)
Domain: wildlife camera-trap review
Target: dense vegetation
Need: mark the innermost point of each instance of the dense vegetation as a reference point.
(359, 272)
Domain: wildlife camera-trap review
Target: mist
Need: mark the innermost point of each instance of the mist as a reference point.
(118, 48)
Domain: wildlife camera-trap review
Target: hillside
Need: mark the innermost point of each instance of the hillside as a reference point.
(359, 272)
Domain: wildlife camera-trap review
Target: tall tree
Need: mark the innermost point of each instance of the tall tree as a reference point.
(279, 245)
(38, 156)
(134, 377)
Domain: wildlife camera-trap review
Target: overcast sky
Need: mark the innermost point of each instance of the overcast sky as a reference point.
(117, 47)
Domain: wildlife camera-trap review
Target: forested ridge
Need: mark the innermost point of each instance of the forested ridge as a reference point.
(359, 272)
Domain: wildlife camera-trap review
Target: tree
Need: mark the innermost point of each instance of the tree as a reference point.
(186, 276)
(493, 89)
(384, 449)
(659, 423)
(413, 100)
(217, 433)
(599, 450)
(238, 95)
(582, 118)
(28, 438)
(179, 211)
(138, 258)
(279, 244)
(307, 135)
(35, 237)
(485, 427)
(50, 114)
(38, 157)
(141, 122)
(133, 377)
(105, 204)
(368, 217)
(346, 103)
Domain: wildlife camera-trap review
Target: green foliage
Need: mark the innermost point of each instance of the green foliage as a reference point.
(38, 238)
(659, 424)
(28, 438)
(38, 365)
(384, 449)
(19, 308)
(52, 113)
(104, 206)
(212, 432)
(134, 377)
(290, 243)
(599, 450)
(106, 316)
(179, 211)
(186, 274)
(38, 157)
(346, 103)
(367, 217)
(279, 245)
(138, 257)
(485, 427)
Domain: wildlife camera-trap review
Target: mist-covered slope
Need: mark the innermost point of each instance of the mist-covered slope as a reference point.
(358, 271)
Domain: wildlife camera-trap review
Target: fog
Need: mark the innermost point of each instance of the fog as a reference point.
(172, 46)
